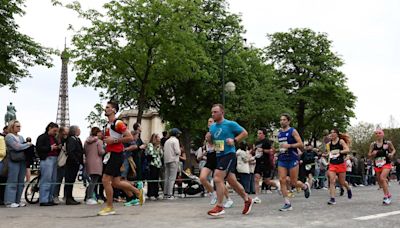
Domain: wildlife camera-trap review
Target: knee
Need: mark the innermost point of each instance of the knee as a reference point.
(282, 180)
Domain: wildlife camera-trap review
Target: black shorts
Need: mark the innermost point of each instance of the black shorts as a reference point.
(263, 170)
(211, 161)
(227, 163)
(113, 166)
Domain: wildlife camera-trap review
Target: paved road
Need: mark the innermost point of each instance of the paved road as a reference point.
(191, 212)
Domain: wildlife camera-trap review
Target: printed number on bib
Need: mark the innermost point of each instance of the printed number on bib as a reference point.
(219, 145)
(381, 161)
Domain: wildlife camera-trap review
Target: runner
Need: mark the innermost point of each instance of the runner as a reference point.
(381, 152)
(116, 133)
(288, 160)
(224, 134)
(208, 168)
(263, 162)
(337, 149)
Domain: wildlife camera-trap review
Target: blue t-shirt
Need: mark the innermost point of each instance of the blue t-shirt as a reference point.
(286, 137)
(222, 131)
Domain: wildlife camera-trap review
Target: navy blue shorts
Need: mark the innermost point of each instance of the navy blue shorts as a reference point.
(288, 164)
(227, 163)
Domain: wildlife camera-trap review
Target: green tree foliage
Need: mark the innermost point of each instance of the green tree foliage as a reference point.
(307, 70)
(17, 51)
(135, 46)
(361, 136)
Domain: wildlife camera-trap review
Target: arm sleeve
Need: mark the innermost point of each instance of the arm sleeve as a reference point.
(100, 147)
(12, 142)
(177, 149)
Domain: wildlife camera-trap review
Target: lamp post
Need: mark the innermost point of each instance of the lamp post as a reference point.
(229, 86)
(224, 87)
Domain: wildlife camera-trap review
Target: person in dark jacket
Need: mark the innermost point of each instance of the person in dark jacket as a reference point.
(75, 158)
(48, 148)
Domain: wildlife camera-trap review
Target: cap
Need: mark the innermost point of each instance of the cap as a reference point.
(175, 131)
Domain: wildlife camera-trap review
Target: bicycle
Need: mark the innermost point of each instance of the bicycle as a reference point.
(32, 190)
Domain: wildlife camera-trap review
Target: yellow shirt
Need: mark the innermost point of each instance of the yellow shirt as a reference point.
(2, 148)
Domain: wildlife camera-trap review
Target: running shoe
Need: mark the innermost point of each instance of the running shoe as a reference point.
(386, 201)
(142, 198)
(134, 202)
(349, 194)
(213, 196)
(286, 207)
(13, 205)
(257, 200)
(106, 211)
(307, 191)
(216, 211)
(228, 203)
(139, 185)
(247, 206)
(332, 202)
(91, 202)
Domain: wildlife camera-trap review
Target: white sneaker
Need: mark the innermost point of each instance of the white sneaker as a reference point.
(257, 200)
(13, 205)
(213, 196)
(91, 202)
(152, 198)
(269, 191)
(228, 203)
(21, 204)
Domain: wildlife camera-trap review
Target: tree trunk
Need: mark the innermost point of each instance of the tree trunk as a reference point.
(141, 102)
(300, 118)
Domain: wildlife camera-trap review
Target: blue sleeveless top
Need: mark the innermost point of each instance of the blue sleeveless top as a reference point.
(286, 137)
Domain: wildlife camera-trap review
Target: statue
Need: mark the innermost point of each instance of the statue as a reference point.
(10, 115)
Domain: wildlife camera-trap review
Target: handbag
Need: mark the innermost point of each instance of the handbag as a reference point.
(62, 157)
(16, 156)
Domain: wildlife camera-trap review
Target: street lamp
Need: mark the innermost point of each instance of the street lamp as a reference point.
(229, 86)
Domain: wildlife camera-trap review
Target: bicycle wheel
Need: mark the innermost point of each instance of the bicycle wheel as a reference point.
(32, 191)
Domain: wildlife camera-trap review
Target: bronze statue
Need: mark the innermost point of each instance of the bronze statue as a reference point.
(10, 115)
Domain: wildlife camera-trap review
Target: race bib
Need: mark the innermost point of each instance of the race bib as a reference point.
(281, 149)
(334, 154)
(219, 146)
(106, 158)
(379, 162)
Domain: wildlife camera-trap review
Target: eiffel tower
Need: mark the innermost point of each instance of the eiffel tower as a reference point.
(63, 105)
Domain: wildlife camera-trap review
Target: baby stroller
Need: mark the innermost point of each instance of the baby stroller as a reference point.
(193, 185)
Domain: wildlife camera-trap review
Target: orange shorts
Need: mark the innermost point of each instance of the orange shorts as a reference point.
(337, 168)
(379, 169)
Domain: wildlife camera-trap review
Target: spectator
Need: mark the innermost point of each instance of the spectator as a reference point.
(307, 164)
(15, 143)
(48, 148)
(138, 154)
(75, 158)
(172, 152)
(3, 170)
(154, 153)
(62, 138)
(164, 138)
(243, 167)
(5, 131)
(349, 167)
(94, 162)
(30, 156)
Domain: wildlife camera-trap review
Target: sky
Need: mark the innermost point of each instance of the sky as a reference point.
(363, 32)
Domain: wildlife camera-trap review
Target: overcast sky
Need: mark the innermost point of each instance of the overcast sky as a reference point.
(364, 33)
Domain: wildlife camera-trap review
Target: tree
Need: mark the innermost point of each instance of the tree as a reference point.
(17, 51)
(361, 136)
(308, 72)
(96, 117)
(135, 46)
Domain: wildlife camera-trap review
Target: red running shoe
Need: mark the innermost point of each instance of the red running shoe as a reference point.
(247, 206)
(216, 211)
